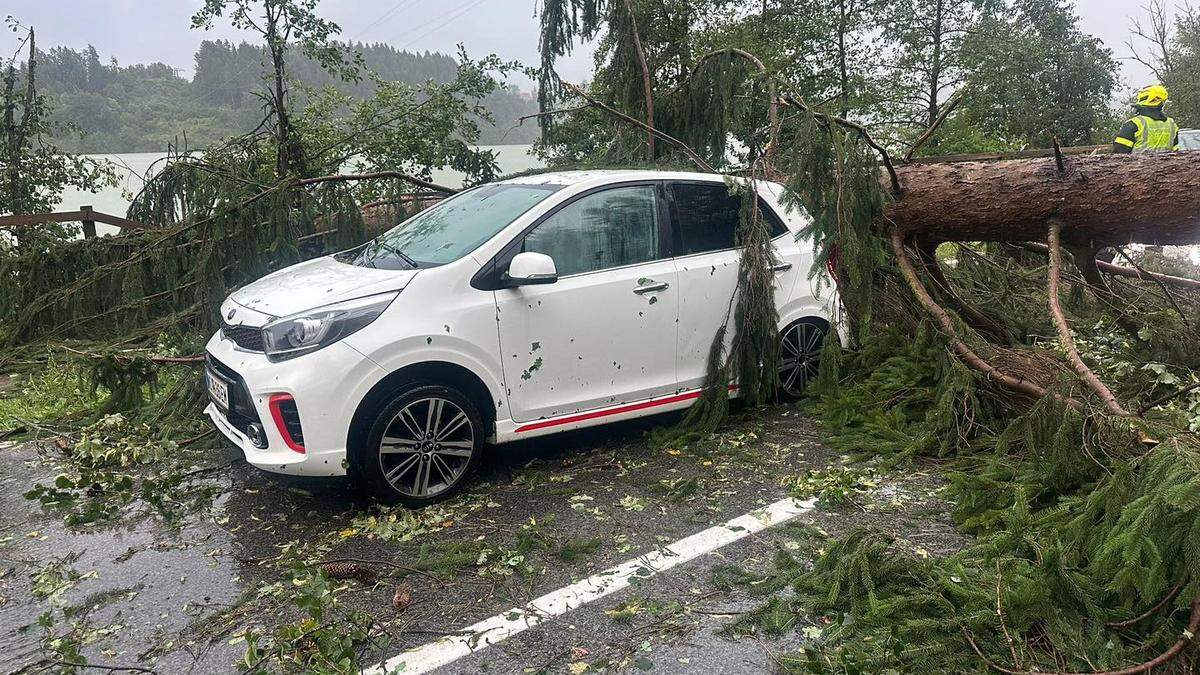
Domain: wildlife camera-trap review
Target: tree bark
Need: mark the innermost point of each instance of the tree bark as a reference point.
(1147, 199)
(647, 85)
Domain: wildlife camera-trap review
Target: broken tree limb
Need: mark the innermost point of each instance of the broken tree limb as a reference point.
(1148, 199)
(1128, 272)
(928, 133)
(1054, 239)
(377, 175)
(946, 324)
(647, 85)
(1162, 659)
(697, 159)
(862, 133)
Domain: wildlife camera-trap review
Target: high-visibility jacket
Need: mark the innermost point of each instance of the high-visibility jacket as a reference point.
(1143, 133)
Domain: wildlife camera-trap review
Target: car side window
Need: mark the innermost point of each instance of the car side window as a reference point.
(606, 229)
(707, 216)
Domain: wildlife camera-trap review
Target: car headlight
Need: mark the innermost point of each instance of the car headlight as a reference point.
(310, 330)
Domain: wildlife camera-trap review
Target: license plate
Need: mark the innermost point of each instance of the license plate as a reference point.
(218, 390)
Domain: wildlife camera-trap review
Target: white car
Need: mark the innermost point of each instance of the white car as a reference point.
(511, 310)
(1189, 139)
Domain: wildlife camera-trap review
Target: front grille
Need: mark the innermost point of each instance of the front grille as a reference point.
(241, 412)
(246, 337)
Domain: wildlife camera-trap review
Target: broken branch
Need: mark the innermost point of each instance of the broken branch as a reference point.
(928, 133)
(699, 161)
(376, 175)
(862, 133)
(1065, 339)
(946, 324)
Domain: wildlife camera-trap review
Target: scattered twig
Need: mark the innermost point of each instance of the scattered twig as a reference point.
(1012, 647)
(1167, 397)
(928, 133)
(1054, 237)
(193, 439)
(164, 360)
(1118, 625)
(1059, 162)
(99, 666)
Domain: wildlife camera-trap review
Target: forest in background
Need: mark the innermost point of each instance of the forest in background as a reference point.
(104, 107)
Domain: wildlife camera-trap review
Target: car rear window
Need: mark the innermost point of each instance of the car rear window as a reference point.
(706, 217)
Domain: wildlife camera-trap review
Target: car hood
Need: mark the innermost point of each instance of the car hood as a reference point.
(316, 283)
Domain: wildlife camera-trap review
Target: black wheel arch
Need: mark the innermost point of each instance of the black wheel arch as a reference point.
(429, 372)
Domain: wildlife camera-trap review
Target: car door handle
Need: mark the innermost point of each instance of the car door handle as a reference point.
(650, 288)
(781, 267)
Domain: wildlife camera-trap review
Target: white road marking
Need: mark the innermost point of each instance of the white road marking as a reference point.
(556, 603)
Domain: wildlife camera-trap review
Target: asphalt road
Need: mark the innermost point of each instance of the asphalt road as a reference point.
(174, 595)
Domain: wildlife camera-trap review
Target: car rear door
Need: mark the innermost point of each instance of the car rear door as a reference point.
(604, 333)
(705, 217)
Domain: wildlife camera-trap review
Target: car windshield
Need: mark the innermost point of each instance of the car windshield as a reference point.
(451, 229)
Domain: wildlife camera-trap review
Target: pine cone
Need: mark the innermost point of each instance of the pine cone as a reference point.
(403, 597)
(347, 570)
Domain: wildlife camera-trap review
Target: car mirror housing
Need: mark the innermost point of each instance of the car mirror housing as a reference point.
(530, 268)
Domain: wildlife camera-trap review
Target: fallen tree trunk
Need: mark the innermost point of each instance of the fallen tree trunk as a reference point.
(1115, 199)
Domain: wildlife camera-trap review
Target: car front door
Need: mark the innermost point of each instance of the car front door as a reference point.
(604, 333)
(705, 221)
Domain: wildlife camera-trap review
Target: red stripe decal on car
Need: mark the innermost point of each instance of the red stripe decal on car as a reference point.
(633, 407)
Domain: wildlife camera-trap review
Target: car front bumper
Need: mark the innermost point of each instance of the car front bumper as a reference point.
(326, 386)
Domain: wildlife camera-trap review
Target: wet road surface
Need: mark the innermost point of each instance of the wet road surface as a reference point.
(175, 596)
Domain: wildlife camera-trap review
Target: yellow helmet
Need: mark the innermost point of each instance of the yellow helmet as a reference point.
(1152, 96)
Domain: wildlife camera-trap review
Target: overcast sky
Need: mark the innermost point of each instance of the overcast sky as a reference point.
(140, 31)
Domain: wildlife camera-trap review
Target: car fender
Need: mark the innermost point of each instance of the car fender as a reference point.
(434, 348)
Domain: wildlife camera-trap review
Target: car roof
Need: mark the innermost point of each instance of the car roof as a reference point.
(602, 176)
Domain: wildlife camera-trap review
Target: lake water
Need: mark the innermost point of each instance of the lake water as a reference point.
(133, 167)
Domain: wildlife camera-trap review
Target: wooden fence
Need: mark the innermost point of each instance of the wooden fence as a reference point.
(85, 215)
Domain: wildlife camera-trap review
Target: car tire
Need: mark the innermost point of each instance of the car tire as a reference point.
(800, 346)
(422, 447)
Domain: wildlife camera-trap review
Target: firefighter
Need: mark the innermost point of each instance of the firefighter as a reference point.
(1149, 130)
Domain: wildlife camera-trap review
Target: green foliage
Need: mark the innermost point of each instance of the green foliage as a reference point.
(834, 177)
(404, 127)
(33, 170)
(1033, 74)
(58, 391)
(328, 638)
(118, 464)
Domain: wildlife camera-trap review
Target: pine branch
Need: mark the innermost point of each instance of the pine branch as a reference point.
(376, 175)
(968, 355)
(1065, 339)
(699, 161)
(862, 132)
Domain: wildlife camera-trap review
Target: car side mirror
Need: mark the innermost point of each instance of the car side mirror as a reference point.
(530, 268)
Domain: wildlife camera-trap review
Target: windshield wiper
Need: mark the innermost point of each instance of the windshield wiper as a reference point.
(396, 252)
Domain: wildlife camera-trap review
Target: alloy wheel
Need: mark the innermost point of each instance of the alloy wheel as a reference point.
(799, 356)
(426, 447)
